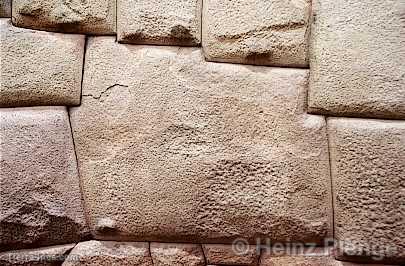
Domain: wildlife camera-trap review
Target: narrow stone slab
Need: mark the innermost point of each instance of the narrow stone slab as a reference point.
(175, 254)
(368, 166)
(74, 16)
(5, 8)
(357, 58)
(163, 22)
(256, 32)
(46, 256)
(106, 253)
(244, 255)
(39, 68)
(40, 195)
(174, 148)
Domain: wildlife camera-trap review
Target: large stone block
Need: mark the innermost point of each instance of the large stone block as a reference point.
(73, 16)
(40, 194)
(242, 255)
(39, 68)
(368, 166)
(109, 253)
(172, 254)
(357, 58)
(174, 148)
(164, 22)
(256, 31)
(5, 8)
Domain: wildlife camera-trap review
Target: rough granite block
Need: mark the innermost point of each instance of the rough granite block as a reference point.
(177, 254)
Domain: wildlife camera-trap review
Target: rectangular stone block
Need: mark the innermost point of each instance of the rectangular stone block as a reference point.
(5, 8)
(173, 148)
(39, 68)
(177, 254)
(368, 166)
(256, 32)
(242, 254)
(163, 22)
(73, 16)
(40, 200)
(357, 58)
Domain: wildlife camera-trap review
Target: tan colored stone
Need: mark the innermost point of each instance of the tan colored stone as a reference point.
(109, 253)
(39, 68)
(368, 166)
(40, 195)
(357, 58)
(231, 254)
(256, 31)
(163, 22)
(73, 16)
(5, 8)
(46, 256)
(172, 148)
(175, 254)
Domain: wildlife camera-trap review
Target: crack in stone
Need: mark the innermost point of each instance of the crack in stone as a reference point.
(105, 91)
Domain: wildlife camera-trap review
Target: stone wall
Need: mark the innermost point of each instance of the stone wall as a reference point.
(202, 132)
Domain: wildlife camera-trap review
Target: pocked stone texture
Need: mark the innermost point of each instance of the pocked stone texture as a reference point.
(357, 54)
(163, 22)
(5, 8)
(39, 68)
(73, 16)
(176, 254)
(256, 31)
(368, 166)
(40, 195)
(173, 148)
(241, 255)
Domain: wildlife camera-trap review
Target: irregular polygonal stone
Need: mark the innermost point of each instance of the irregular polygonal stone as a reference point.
(368, 166)
(39, 68)
(163, 22)
(107, 253)
(357, 58)
(174, 148)
(256, 31)
(5, 8)
(73, 16)
(40, 194)
(231, 254)
(175, 254)
(46, 256)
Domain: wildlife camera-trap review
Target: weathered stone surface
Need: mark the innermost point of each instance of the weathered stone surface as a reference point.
(368, 166)
(40, 195)
(174, 148)
(357, 58)
(109, 253)
(46, 256)
(39, 68)
(231, 255)
(163, 22)
(170, 254)
(5, 8)
(73, 16)
(256, 31)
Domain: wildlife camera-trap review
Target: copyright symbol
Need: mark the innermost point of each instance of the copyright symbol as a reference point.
(240, 246)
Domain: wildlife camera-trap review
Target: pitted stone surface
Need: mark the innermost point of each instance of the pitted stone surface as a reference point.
(109, 253)
(357, 58)
(40, 195)
(175, 254)
(244, 255)
(74, 16)
(163, 22)
(5, 8)
(39, 68)
(368, 166)
(46, 256)
(173, 148)
(256, 31)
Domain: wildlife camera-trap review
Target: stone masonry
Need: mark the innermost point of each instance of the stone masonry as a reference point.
(202, 132)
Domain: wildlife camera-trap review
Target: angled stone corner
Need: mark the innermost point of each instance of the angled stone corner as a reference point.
(74, 16)
(256, 32)
(357, 59)
(162, 22)
(173, 148)
(39, 68)
(41, 202)
(368, 166)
